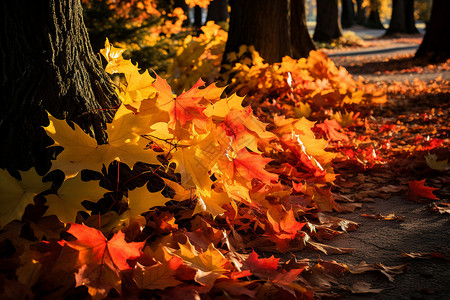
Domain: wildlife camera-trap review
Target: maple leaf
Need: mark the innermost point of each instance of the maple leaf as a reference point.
(140, 200)
(282, 227)
(15, 194)
(100, 260)
(98, 279)
(433, 163)
(157, 276)
(210, 264)
(82, 152)
(211, 203)
(95, 249)
(299, 137)
(139, 86)
(262, 267)
(331, 128)
(67, 202)
(194, 162)
(285, 280)
(183, 108)
(248, 166)
(418, 190)
(244, 129)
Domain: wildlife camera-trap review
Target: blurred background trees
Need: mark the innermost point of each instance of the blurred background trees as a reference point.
(159, 33)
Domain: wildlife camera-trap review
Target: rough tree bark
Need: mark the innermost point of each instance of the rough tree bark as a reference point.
(436, 42)
(374, 15)
(348, 17)
(328, 26)
(218, 11)
(48, 65)
(402, 19)
(274, 28)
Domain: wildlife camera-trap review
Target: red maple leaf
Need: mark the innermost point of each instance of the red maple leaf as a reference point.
(95, 249)
(418, 190)
(260, 265)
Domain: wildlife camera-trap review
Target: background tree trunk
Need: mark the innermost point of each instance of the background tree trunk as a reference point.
(436, 42)
(402, 20)
(274, 28)
(348, 17)
(360, 13)
(198, 22)
(218, 11)
(328, 26)
(301, 41)
(374, 15)
(48, 65)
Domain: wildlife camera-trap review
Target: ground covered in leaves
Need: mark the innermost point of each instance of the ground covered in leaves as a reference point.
(318, 184)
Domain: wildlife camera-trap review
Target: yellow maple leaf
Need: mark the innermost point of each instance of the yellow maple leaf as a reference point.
(140, 200)
(15, 194)
(67, 202)
(433, 163)
(194, 162)
(210, 264)
(212, 203)
(139, 86)
(82, 152)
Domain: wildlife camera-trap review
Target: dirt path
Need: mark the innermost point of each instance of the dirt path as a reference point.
(421, 229)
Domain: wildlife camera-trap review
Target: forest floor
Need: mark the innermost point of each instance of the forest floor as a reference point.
(392, 227)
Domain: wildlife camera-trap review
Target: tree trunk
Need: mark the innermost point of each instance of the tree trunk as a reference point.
(328, 27)
(301, 41)
(348, 14)
(360, 13)
(274, 28)
(198, 16)
(218, 11)
(402, 20)
(374, 15)
(48, 65)
(436, 42)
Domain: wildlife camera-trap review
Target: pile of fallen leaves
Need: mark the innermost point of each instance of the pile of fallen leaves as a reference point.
(187, 186)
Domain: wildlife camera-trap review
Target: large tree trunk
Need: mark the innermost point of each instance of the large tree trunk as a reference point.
(374, 15)
(48, 65)
(436, 42)
(348, 17)
(402, 20)
(328, 26)
(218, 11)
(274, 28)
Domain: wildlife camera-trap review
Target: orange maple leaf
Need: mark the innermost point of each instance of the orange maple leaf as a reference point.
(331, 129)
(282, 227)
(183, 108)
(418, 190)
(249, 166)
